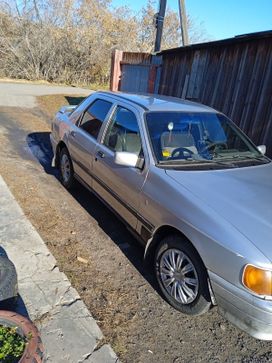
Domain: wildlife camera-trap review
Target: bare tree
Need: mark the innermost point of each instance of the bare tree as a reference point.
(71, 41)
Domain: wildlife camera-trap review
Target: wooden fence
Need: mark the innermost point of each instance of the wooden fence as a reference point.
(233, 75)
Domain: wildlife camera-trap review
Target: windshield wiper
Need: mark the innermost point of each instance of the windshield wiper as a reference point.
(251, 157)
(195, 162)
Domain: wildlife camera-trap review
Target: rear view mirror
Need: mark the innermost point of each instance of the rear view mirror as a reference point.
(126, 159)
(262, 149)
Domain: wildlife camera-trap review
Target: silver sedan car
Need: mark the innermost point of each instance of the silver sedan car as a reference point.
(190, 186)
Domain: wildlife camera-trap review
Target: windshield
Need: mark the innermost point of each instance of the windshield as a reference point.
(196, 138)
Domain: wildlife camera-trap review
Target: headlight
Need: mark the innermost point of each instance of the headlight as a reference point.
(258, 280)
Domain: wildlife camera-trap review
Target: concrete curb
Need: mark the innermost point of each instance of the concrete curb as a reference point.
(69, 332)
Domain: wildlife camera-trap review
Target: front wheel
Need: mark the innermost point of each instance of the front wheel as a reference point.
(66, 169)
(182, 276)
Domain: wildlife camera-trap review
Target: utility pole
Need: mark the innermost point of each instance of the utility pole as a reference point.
(159, 25)
(183, 22)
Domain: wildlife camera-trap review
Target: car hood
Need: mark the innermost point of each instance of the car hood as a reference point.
(242, 196)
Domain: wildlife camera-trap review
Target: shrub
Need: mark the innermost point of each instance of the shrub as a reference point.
(12, 345)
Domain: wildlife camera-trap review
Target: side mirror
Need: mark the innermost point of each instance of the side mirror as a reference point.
(262, 149)
(67, 109)
(128, 159)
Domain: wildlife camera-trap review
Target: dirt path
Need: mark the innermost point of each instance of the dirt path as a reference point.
(115, 285)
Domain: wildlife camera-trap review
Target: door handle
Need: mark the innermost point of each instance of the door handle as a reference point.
(73, 133)
(100, 154)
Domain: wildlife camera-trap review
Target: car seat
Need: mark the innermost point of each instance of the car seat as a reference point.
(171, 140)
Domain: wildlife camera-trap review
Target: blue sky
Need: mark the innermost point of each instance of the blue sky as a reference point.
(221, 18)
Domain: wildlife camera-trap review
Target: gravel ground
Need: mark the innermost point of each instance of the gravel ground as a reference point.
(117, 287)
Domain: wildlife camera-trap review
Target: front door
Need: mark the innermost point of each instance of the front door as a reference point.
(118, 185)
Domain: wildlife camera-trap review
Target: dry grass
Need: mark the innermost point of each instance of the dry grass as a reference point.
(50, 104)
(13, 80)
(92, 86)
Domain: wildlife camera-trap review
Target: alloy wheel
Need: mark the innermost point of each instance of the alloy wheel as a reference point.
(178, 276)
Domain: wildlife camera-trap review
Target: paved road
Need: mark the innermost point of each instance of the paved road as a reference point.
(116, 286)
(23, 94)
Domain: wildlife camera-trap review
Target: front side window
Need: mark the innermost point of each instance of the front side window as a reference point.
(191, 138)
(94, 117)
(123, 132)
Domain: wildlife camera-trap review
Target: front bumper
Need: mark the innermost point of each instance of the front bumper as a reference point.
(246, 311)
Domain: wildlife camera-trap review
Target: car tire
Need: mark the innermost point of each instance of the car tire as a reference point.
(66, 169)
(182, 276)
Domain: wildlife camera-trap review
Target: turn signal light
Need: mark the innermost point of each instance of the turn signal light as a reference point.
(258, 280)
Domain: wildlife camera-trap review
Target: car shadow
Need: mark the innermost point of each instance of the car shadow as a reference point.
(39, 144)
(40, 147)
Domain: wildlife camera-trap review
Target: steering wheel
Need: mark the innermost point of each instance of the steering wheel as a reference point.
(214, 145)
(179, 152)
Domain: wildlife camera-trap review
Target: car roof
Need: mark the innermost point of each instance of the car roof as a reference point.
(152, 102)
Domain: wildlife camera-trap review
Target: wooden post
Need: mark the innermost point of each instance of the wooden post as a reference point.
(116, 58)
(152, 78)
(154, 74)
(183, 22)
(159, 25)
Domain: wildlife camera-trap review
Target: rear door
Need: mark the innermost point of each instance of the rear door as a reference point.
(119, 185)
(82, 139)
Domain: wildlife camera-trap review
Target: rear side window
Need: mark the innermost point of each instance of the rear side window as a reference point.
(94, 117)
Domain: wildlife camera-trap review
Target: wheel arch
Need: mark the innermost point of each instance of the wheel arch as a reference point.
(161, 233)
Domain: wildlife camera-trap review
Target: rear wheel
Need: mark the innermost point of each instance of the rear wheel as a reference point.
(66, 168)
(182, 276)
